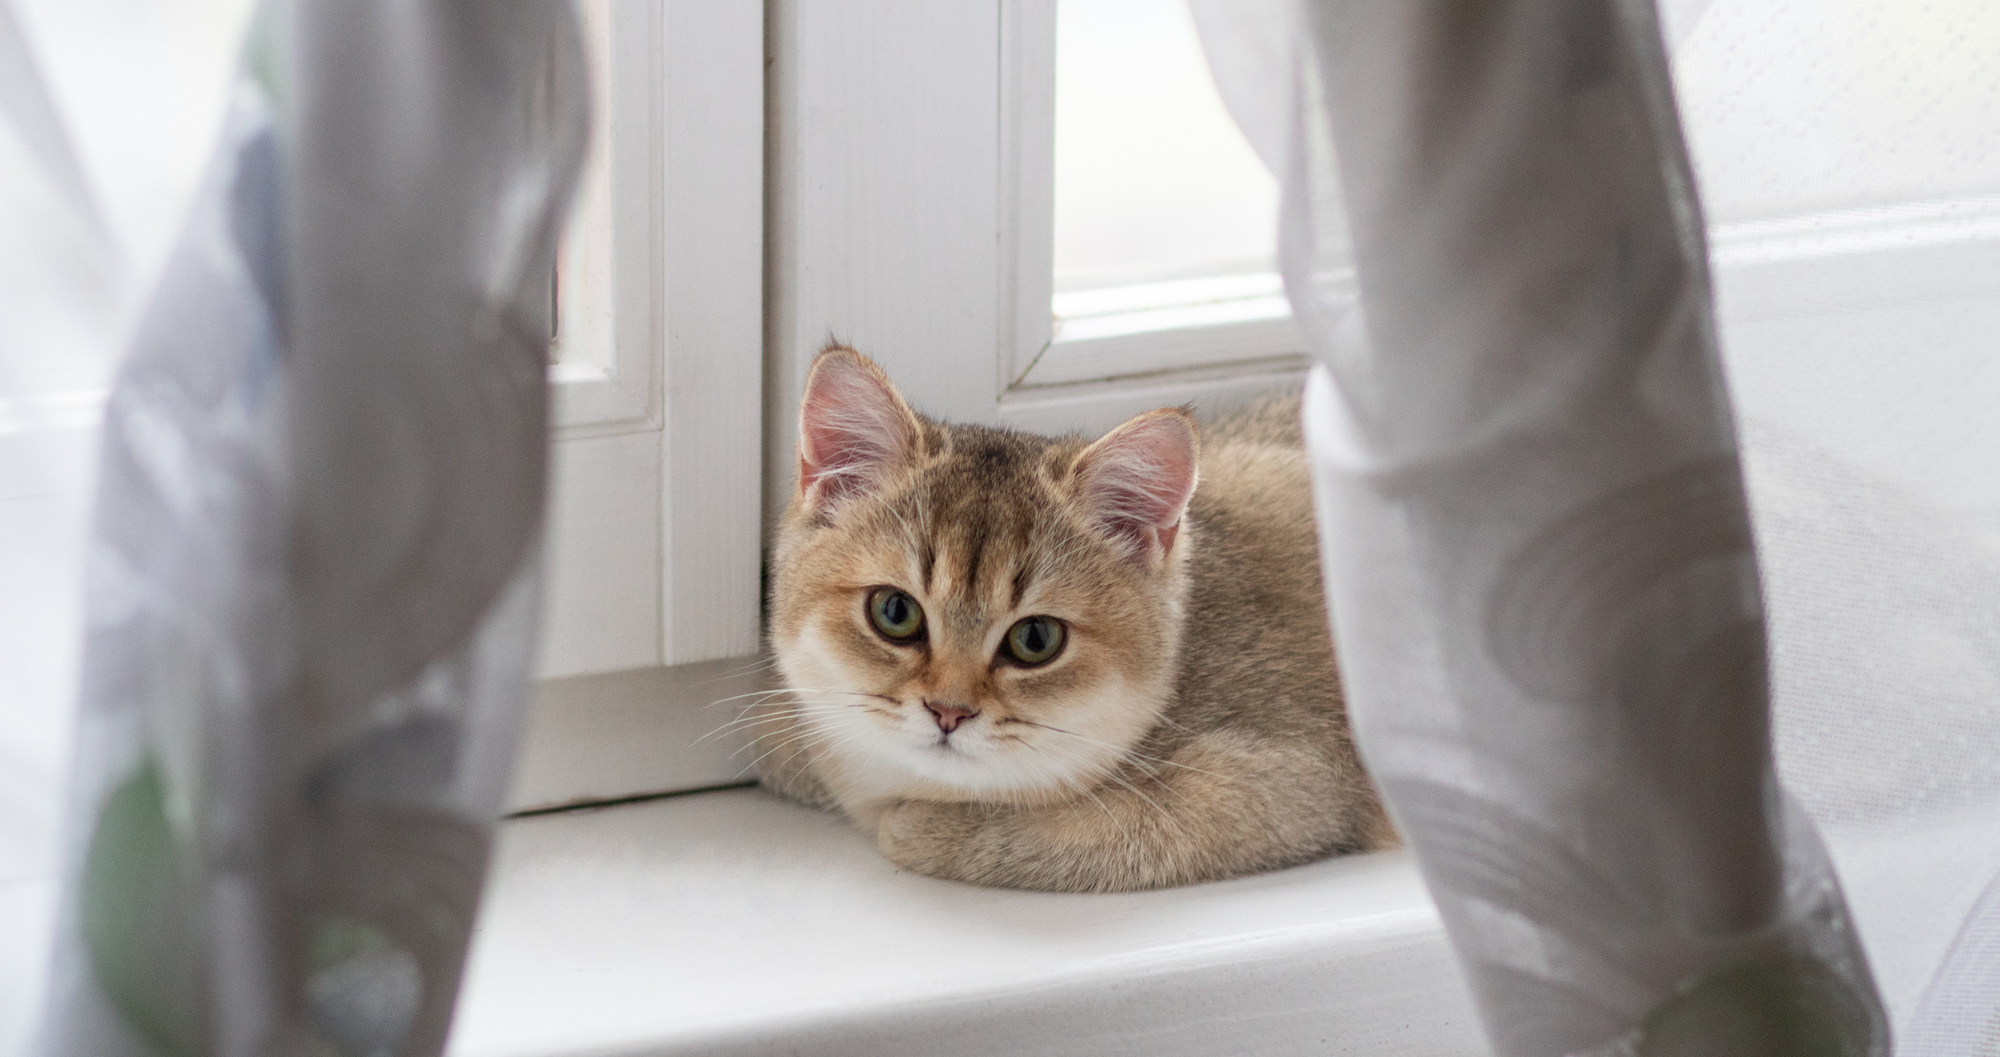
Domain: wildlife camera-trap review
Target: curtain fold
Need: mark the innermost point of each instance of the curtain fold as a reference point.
(1535, 532)
(313, 577)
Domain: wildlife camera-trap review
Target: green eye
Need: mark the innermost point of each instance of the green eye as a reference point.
(1035, 640)
(895, 614)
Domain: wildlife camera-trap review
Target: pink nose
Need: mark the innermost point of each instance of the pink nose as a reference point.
(949, 716)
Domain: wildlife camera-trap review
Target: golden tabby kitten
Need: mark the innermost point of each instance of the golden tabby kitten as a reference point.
(1045, 663)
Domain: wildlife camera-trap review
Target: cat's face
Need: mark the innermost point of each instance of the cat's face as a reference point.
(966, 612)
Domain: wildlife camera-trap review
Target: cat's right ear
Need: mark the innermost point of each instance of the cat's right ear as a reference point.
(1136, 481)
(854, 429)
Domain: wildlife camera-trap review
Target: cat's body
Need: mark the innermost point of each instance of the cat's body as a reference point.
(1177, 717)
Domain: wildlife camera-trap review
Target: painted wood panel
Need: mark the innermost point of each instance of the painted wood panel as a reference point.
(884, 203)
(711, 291)
(601, 610)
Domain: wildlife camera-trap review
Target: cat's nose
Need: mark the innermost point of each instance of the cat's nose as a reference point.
(949, 716)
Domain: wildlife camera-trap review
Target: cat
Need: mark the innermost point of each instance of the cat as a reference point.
(1054, 664)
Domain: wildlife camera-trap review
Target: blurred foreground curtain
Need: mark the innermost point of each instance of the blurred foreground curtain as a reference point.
(313, 577)
(1539, 558)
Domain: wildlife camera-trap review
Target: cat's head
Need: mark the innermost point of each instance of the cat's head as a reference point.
(974, 612)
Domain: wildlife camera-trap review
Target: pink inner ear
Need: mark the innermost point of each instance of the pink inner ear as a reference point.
(853, 429)
(1138, 479)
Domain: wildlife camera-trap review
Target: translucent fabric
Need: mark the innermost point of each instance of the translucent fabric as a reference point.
(313, 580)
(108, 109)
(1535, 529)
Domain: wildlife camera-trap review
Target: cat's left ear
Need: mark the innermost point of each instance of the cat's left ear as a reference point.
(1137, 479)
(854, 429)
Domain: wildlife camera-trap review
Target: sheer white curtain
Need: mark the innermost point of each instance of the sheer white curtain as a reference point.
(1535, 523)
(312, 588)
(73, 237)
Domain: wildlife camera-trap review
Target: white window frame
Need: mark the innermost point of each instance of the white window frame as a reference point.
(1067, 350)
(910, 179)
(606, 366)
(653, 553)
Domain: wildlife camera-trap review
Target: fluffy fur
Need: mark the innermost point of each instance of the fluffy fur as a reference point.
(1190, 729)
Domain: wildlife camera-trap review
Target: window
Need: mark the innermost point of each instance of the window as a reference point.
(605, 378)
(1165, 221)
(915, 211)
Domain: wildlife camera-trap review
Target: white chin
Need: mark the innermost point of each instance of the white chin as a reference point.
(978, 768)
(961, 764)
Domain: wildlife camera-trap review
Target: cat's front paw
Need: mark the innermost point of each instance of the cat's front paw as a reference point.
(927, 837)
(991, 844)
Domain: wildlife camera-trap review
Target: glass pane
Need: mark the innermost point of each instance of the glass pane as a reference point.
(1153, 180)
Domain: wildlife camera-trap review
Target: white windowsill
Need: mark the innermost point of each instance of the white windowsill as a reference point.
(1152, 328)
(735, 923)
